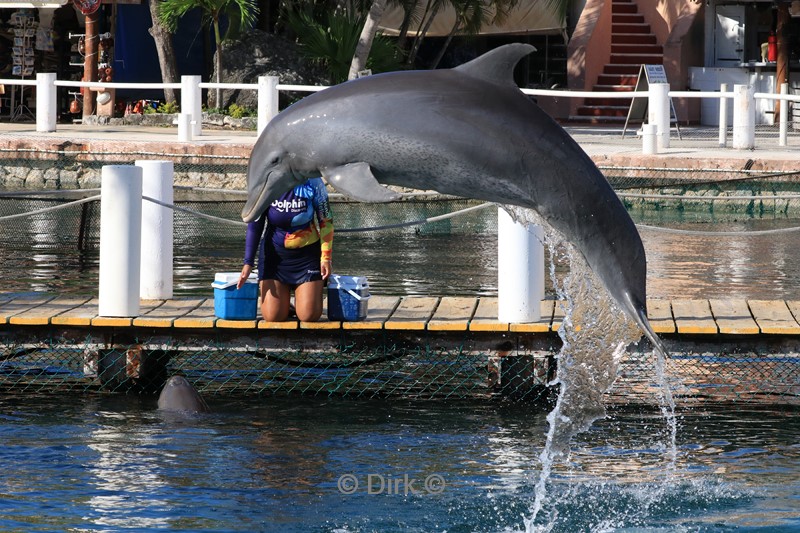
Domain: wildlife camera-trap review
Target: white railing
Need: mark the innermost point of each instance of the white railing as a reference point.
(655, 133)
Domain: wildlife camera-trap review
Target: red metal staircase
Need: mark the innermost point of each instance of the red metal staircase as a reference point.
(632, 44)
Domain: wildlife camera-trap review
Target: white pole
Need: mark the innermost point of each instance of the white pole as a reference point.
(649, 139)
(520, 269)
(157, 230)
(744, 118)
(784, 116)
(192, 102)
(184, 127)
(723, 117)
(120, 240)
(46, 106)
(658, 112)
(267, 100)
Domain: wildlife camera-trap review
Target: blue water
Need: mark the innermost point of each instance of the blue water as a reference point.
(333, 465)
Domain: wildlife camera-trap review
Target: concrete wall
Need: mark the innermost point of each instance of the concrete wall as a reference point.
(589, 49)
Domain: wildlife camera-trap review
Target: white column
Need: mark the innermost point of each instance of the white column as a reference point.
(649, 139)
(267, 100)
(46, 106)
(120, 240)
(520, 269)
(156, 259)
(723, 117)
(185, 127)
(784, 116)
(744, 118)
(658, 112)
(192, 102)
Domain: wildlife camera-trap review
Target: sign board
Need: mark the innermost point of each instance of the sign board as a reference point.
(638, 111)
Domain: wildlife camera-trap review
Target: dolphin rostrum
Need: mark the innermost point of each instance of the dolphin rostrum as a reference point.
(179, 395)
(467, 131)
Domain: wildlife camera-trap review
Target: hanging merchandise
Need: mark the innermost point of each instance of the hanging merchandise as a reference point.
(87, 7)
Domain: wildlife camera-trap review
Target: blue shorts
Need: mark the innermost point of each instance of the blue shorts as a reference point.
(291, 267)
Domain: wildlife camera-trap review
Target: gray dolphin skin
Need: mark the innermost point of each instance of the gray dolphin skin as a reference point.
(467, 131)
(179, 395)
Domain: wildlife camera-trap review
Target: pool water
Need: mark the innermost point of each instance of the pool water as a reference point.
(334, 465)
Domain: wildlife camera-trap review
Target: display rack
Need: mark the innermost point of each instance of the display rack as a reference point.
(23, 59)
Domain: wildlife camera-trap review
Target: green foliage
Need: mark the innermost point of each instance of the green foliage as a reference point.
(168, 108)
(237, 111)
(330, 41)
(242, 13)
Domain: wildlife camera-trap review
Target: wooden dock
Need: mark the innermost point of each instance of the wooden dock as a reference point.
(410, 347)
(410, 313)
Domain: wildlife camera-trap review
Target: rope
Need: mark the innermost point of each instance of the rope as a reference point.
(17, 194)
(195, 213)
(50, 209)
(706, 198)
(719, 233)
(417, 222)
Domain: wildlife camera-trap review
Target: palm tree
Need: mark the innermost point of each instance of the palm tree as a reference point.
(365, 39)
(241, 14)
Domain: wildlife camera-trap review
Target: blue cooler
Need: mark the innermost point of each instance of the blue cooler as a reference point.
(348, 297)
(231, 303)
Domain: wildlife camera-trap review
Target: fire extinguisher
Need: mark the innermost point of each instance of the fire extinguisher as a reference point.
(772, 47)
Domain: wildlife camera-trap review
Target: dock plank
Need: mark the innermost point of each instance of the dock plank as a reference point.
(694, 317)
(413, 313)
(165, 315)
(201, 317)
(485, 316)
(15, 306)
(543, 325)
(41, 315)
(78, 316)
(733, 317)
(659, 313)
(145, 306)
(559, 312)
(379, 309)
(453, 314)
(774, 317)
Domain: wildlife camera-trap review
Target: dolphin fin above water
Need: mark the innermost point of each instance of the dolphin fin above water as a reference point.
(467, 131)
(357, 181)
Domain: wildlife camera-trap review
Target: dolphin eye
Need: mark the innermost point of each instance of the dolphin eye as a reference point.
(275, 160)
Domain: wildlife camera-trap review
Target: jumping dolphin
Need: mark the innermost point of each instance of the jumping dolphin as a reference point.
(467, 131)
(179, 395)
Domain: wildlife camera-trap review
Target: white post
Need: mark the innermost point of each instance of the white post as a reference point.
(723, 117)
(267, 100)
(156, 259)
(784, 116)
(649, 139)
(120, 240)
(744, 118)
(46, 106)
(520, 269)
(658, 112)
(192, 102)
(184, 127)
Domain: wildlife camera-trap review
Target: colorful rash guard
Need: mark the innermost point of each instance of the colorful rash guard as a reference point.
(299, 234)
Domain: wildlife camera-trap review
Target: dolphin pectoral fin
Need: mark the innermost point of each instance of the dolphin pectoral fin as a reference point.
(357, 181)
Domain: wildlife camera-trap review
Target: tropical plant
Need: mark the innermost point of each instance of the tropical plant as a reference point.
(240, 14)
(331, 42)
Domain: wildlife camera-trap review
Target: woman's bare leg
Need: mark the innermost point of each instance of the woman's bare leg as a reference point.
(308, 301)
(274, 300)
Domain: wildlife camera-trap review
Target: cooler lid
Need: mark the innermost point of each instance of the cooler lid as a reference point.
(223, 280)
(339, 281)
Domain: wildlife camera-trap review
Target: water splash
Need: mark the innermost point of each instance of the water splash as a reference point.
(595, 334)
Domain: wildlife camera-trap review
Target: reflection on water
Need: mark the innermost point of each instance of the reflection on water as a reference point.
(274, 464)
(456, 257)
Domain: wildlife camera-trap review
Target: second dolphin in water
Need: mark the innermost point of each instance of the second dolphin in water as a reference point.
(467, 131)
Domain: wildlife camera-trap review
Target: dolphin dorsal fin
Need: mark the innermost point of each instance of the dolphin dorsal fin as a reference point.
(497, 65)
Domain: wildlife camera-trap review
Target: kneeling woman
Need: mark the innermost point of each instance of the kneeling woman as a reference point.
(294, 252)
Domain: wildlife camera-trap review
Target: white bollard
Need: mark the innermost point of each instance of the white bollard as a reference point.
(157, 229)
(184, 127)
(658, 112)
(46, 106)
(649, 139)
(120, 240)
(520, 269)
(744, 118)
(267, 101)
(784, 116)
(192, 102)
(723, 117)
